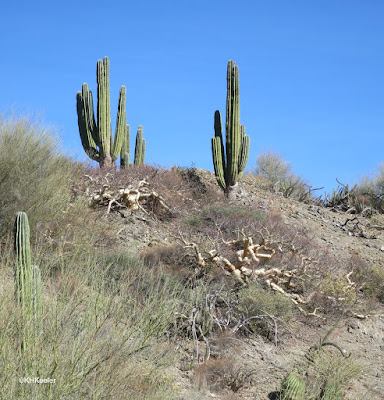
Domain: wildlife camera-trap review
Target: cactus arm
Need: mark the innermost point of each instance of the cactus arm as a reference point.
(121, 123)
(86, 122)
(139, 147)
(219, 134)
(142, 157)
(217, 151)
(124, 153)
(89, 113)
(244, 151)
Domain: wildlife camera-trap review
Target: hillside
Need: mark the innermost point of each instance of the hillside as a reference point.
(342, 249)
(155, 296)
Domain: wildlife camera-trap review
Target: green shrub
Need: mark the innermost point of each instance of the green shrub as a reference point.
(34, 175)
(264, 309)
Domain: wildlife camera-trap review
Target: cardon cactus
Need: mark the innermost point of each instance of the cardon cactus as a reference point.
(28, 287)
(229, 162)
(139, 148)
(96, 137)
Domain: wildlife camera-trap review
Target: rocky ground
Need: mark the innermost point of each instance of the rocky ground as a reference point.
(259, 364)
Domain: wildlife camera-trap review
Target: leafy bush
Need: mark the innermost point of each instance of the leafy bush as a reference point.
(34, 175)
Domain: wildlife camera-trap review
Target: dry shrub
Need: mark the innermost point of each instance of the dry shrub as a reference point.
(178, 193)
(369, 278)
(218, 374)
(278, 173)
(178, 262)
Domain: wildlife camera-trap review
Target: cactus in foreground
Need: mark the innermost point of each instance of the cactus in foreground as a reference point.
(331, 391)
(23, 268)
(139, 148)
(293, 387)
(229, 163)
(28, 287)
(96, 136)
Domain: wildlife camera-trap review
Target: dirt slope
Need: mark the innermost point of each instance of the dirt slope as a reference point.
(339, 234)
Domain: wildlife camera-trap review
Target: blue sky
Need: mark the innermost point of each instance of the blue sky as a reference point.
(311, 75)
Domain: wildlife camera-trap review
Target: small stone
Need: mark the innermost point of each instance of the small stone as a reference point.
(382, 248)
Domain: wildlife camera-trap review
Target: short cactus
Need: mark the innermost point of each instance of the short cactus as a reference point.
(139, 148)
(293, 387)
(229, 163)
(28, 287)
(331, 391)
(96, 137)
(23, 269)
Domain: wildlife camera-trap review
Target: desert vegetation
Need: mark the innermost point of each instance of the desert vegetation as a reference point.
(151, 283)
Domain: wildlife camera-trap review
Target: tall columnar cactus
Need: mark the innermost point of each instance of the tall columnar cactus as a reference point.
(28, 287)
(230, 162)
(139, 149)
(96, 137)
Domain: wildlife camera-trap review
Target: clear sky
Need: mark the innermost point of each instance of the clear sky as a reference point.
(311, 75)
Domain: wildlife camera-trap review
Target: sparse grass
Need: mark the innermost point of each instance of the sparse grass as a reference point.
(370, 278)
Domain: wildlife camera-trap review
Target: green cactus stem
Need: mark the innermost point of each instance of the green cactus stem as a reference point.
(28, 286)
(139, 157)
(293, 387)
(229, 162)
(124, 154)
(140, 147)
(96, 136)
(23, 268)
(36, 294)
